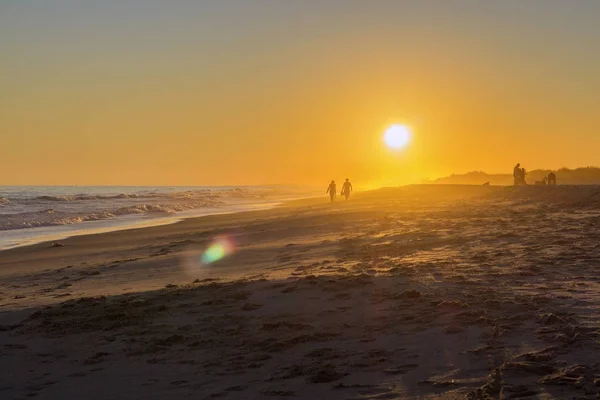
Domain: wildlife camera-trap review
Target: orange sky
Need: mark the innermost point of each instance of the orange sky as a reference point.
(237, 92)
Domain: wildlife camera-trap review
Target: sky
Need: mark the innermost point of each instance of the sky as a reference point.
(240, 92)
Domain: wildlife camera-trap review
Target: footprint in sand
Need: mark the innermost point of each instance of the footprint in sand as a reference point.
(326, 374)
(289, 289)
(402, 369)
(278, 393)
(96, 358)
(251, 307)
(63, 285)
(89, 273)
(377, 392)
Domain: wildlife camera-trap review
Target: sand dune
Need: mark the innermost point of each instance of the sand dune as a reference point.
(416, 292)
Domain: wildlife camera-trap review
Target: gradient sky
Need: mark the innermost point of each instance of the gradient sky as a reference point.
(268, 91)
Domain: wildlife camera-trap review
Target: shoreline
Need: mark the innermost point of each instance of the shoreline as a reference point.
(473, 190)
(136, 223)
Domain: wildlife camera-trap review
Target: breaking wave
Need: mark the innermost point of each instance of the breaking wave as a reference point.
(189, 194)
(83, 197)
(52, 217)
(37, 207)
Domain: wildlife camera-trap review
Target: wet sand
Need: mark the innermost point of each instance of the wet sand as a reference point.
(416, 292)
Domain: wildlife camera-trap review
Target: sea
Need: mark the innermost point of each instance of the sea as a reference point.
(33, 214)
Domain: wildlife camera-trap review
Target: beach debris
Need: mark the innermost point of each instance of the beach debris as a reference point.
(537, 368)
(492, 387)
(546, 354)
(550, 319)
(575, 375)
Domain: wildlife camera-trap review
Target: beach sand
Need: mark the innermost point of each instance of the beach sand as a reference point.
(416, 292)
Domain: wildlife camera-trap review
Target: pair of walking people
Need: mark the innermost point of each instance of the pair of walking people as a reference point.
(346, 189)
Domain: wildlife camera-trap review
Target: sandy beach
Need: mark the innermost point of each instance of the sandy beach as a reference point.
(416, 292)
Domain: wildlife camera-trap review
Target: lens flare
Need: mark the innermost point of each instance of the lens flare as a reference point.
(197, 261)
(221, 247)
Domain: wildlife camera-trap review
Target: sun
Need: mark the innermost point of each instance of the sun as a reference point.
(397, 136)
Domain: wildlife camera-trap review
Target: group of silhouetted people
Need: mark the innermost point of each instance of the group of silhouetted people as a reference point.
(548, 180)
(520, 173)
(346, 189)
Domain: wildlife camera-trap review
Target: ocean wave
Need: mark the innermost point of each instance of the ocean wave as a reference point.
(3, 201)
(48, 217)
(163, 208)
(83, 197)
(52, 217)
(189, 195)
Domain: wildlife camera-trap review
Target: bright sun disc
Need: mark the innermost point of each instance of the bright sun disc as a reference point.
(397, 136)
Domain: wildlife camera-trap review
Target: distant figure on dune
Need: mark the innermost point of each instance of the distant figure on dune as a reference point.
(551, 178)
(519, 175)
(331, 190)
(346, 188)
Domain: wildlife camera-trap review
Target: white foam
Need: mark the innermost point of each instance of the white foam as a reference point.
(27, 213)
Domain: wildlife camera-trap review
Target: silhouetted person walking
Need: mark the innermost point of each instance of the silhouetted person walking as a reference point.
(331, 190)
(551, 178)
(346, 188)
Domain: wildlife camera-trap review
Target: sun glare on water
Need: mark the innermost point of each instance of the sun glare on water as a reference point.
(397, 136)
